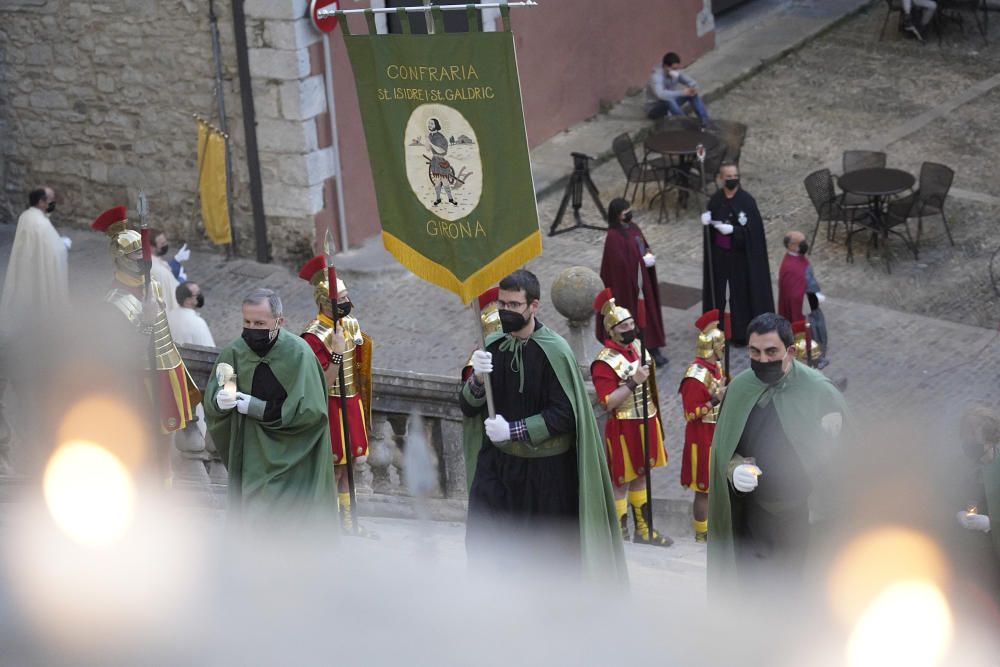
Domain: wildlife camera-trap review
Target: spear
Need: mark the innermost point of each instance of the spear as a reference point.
(640, 324)
(142, 208)
(331, 276)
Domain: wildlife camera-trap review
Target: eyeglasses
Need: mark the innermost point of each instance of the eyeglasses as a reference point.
(511, 305)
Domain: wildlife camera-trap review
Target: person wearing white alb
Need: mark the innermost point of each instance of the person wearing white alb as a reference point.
(186, 326)
(37, 281)
(168, 274)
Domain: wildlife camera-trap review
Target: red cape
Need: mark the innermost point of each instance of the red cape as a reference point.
(620, 269)
(792, 287)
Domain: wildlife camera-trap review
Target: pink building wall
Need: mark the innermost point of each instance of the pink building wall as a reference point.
(572, 55)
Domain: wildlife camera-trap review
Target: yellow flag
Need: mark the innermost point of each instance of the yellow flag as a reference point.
(212, 184)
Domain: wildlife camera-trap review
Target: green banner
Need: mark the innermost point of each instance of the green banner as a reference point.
(448, 152)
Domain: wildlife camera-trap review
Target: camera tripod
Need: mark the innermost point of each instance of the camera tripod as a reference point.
(579, 178)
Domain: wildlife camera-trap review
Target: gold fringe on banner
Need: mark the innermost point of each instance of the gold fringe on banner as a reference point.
(212, 183)
(507, 262)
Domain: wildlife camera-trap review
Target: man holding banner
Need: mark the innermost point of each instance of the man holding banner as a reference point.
(540, 476)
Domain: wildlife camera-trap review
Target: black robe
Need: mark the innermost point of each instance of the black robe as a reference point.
(744, 267)
(535, 499)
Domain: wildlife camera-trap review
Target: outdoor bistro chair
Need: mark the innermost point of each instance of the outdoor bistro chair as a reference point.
(636, 171)
(928, 199)
(854, 160)
(891, 6)
(665, 123)
(828, 204)
(733, 135)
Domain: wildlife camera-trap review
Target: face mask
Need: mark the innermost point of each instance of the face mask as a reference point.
(51, 207)
(511, 321)
(627, 217)
(803, 248)
(675, 74)
(732, 183)
(344, 309)
(199, 301)
(162, 251)
(768, 372)
(628, 336)
(260, 340)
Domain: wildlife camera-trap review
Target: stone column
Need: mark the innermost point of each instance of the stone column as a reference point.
(573, 294)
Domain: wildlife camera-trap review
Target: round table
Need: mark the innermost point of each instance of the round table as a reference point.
(680, 142)
(878, 184)
(876, 181)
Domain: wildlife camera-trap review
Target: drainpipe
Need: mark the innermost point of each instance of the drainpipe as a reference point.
(250, 131)
(331, 104)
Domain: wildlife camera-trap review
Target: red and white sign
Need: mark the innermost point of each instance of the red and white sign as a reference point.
(323, 24)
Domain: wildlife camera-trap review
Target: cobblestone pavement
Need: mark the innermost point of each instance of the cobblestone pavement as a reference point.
(897, 338)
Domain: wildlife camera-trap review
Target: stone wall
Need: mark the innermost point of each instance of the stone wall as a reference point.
(96, 99)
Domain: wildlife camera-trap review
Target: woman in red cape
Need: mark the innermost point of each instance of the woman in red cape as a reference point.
(627, 260)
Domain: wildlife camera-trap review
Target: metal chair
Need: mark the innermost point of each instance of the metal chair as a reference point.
(636, 171)
(665, 123)
(828, 204)
(733, 135)
(854, 160)
(891, 6)
(928, 199)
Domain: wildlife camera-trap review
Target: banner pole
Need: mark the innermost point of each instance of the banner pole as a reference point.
(482, 342)
(329, 12)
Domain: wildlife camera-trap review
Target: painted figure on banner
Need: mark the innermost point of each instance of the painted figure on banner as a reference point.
(453, 167)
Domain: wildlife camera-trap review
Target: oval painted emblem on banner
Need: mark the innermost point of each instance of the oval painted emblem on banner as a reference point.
(443, 164)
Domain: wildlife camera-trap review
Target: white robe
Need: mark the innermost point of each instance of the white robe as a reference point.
(37, 281)
(168, 284)
(189, 328)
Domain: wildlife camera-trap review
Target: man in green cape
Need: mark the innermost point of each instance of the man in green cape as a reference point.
(777, 434)
(540, 476)
(269, 422)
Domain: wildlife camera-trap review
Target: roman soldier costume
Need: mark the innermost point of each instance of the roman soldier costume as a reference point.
(357, 367)
(807, 350)
(701, 393)
(174, 390)
(625, 431)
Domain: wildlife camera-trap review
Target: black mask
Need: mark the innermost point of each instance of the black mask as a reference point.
(803, 248)
(731, 183)
(627, 217)
(163, 251)
(344, 309)
(199, 301)
(259, 340)
(51, 207)
(511, 321)
(628, 336)
(768, 372)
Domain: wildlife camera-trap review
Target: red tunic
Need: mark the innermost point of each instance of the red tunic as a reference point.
(697, 434)
(624, 438)
(792, 287)
(355, 412)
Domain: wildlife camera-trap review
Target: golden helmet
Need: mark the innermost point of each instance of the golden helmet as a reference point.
(315, 272)
(803, 333)
(613, 314)
(489, 312)
(711, 341)
(123, 241)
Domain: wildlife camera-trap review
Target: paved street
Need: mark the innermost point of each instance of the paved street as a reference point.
(915, 346)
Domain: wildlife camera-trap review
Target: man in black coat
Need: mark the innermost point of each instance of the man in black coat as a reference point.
(735, 239)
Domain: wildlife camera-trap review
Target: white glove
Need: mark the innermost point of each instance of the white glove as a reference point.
(706, 218)
(745, 477)
(820, 297)
(181, 275)
(979, 522)
(225, 400)
(832, 422)
(497, 429)
(724, 228)
(242, 402)
(482, 362)
(183, 254)
(67, 241)
(649, 260)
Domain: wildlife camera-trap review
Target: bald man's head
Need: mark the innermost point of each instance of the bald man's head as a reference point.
(793, 240)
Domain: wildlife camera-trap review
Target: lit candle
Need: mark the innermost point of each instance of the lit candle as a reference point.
(971, 510)
(230, 386)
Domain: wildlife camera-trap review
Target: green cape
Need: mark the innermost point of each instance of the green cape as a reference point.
(600, 532)
(281, 467)
(991, 480)
(801, 399)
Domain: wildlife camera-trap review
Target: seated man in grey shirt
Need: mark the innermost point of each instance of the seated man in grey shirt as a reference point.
(669, 89)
